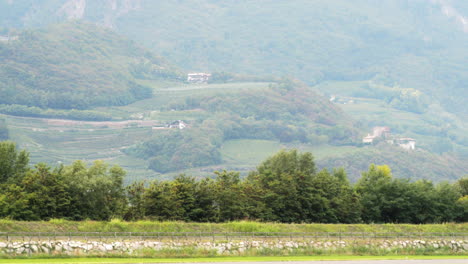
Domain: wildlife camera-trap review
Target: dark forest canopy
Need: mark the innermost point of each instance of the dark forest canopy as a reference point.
(284, 188)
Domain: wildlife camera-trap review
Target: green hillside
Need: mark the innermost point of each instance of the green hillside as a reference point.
(394, 63)
(76, 66)
(407, 111)
(419, 164)
(409, 43)
(285, 112)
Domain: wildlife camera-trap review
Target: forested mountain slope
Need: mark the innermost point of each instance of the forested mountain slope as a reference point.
(418, 44)
(75, 66)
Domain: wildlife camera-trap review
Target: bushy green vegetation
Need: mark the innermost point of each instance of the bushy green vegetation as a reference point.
(72, 192)
(284, 188)
(76, 66)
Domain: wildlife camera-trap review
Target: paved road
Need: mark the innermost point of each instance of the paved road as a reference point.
(438, 261)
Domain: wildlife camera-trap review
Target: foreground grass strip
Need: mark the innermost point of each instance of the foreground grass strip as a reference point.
(58, 226)
(222, 259)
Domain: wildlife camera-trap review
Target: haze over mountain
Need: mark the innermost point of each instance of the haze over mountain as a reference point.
(358, 64)
(418, 44)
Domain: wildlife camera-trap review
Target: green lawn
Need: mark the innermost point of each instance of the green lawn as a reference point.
(239, 226)
(223, 259)
(248, 151)
(251, 152)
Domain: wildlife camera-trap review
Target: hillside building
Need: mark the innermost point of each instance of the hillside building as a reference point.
(377, 132)
(369, 139)
(7, 38)
(199, 77)
(385, 133)
(381, 132)
(177, 124)
(406, 143)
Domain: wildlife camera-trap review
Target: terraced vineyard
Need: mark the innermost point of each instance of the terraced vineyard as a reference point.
(62, 141)
(53, 143)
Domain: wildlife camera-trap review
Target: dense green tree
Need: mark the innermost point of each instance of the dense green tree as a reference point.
(158, 202)
(96, 192)
(284, 188)
(445, 202)
(462, 184)
(371, 189)
(13, 163)
(136, 202)
(388, 200)
(423, 199)
(229, 198)
(182, 192)
(463, 204)
(47, 193)
(286, 180)
(205, 209)
(334, 200)
(14, 203)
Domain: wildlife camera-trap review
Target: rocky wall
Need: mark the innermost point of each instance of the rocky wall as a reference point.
(70, 247)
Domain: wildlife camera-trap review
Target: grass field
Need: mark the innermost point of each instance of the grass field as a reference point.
(250, 153)
(242, 226)
(224, 259)
(164, 96)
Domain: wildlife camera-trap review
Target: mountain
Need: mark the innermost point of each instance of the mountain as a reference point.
(76, 66)
(363, 63)
(418, 44)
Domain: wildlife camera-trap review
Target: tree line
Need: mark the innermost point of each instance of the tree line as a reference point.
(286, 187)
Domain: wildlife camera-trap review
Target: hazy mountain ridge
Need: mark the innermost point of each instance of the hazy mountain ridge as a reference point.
(417, 44)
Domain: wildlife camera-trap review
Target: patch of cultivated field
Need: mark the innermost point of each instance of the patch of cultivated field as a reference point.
(56, 141)
(164, 96)
(250, 152)
(64, 141)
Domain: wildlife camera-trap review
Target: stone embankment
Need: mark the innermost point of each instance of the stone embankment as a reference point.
(70, 247)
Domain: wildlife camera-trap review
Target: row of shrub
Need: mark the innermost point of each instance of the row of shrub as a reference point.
(284, 188)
